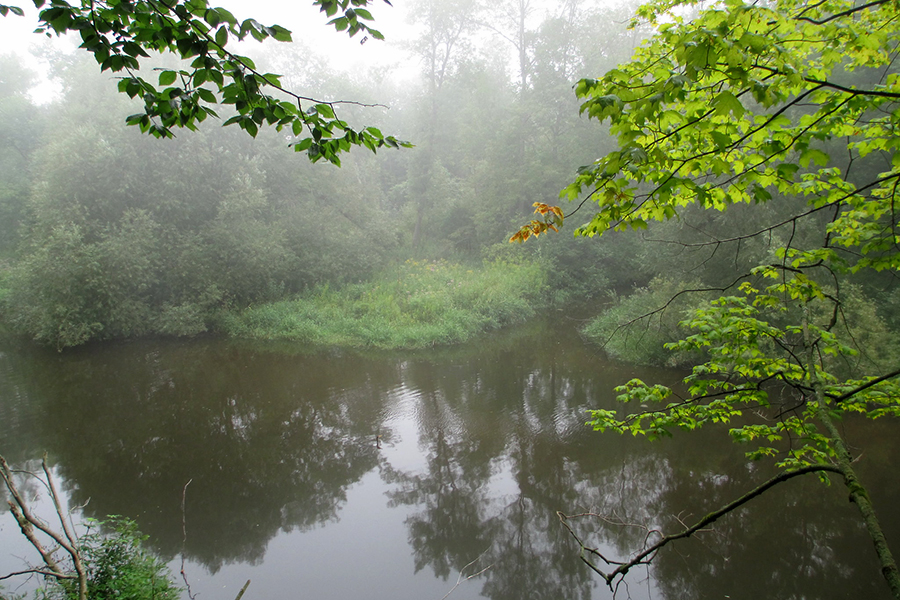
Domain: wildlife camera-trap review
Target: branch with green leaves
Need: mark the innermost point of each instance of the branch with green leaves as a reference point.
(738, 105)
(754, 352)
(120, 33)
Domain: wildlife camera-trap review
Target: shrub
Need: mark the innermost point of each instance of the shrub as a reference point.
(419, 304)
(118, 567)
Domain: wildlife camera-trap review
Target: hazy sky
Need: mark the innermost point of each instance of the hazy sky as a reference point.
(300, 16)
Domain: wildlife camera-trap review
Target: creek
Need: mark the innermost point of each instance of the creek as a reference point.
(342, 475)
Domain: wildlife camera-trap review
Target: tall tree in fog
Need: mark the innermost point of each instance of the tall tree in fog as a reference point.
(446, 27)
(20, 124)
(509, 20)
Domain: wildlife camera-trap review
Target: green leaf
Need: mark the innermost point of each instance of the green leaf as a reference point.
(325, 110)
(167, 77)
(812, 155)
(222, 36)
(726, 102)
(280, 33)
(206, 95)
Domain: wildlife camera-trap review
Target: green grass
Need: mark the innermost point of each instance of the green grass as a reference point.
(419, 304)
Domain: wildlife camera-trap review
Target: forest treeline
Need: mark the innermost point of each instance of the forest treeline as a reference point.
(105, 233)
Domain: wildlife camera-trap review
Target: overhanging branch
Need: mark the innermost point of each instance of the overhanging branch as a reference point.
(647, 555)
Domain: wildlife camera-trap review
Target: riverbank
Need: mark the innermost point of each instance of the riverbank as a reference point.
(418, 304)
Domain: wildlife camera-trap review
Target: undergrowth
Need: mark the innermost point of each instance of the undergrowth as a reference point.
(636, 328)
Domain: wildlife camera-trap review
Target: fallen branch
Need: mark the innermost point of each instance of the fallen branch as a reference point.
(187, 585)
(243, 589)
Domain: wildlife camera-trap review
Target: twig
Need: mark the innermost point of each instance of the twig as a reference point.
(43, 572)
(184, 543)
(460, 579)
(646, 556)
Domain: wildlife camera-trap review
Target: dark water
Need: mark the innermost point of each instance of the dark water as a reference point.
(480, 446)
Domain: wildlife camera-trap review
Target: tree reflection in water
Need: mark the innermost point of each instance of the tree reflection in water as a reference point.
(273, 442)
(267, 448)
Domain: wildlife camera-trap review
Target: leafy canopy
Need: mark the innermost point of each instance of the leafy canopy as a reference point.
(742, 104)
(120, 33)
(736, 105)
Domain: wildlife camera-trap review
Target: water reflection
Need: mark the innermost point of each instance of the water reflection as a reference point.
(479, 449)
(265, 445)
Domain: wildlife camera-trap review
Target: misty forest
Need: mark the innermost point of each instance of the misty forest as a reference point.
(573, 299)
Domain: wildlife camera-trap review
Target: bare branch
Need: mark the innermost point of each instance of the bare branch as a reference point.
(187, 584)
(647, 555)
(462, 577)
(243, 589)
(43, 572)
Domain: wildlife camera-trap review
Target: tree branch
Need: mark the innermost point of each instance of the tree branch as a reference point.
(646, 555)
(845, 13)
(865, 386)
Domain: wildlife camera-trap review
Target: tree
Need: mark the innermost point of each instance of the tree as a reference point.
(751, 104)
(120, 33)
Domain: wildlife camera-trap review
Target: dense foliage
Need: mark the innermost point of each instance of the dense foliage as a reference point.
(420, 304)
(120, 236)
(118, 566)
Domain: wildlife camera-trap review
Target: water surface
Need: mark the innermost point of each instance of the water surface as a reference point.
(338, 475)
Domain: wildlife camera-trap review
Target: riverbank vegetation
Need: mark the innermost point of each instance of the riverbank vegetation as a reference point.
(417, 305)
(105, 560)
(110, 234)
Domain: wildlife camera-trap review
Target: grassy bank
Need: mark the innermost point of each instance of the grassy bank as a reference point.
(418, 304)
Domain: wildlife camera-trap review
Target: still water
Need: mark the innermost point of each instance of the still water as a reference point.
(339, 475)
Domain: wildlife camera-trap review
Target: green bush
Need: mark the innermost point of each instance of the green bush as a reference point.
(118, 567)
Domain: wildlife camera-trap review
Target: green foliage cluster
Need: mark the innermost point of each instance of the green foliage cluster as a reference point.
(737, 107)
(753, 361)
(117, 565)
(421, 304)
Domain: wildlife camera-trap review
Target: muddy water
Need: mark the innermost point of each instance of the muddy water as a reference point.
(340, 475)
